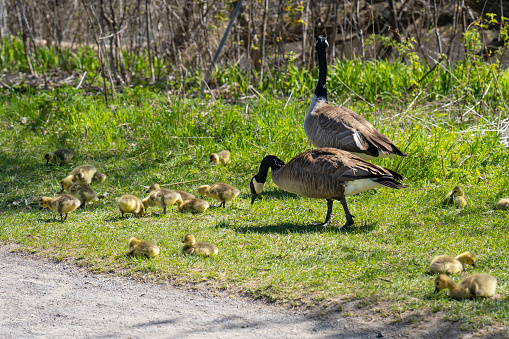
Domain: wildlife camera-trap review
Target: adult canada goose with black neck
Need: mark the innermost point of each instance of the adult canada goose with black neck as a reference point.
(325, 173)
(338, 127)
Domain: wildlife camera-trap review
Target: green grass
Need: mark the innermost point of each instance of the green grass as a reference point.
(267, 249)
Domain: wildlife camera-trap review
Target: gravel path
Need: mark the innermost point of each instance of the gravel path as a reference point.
(43, 298)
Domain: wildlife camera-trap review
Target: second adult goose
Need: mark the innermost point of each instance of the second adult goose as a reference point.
(324, 173)
(338, 127)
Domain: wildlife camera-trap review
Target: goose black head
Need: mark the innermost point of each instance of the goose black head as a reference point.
(322, 39)
(256, 188)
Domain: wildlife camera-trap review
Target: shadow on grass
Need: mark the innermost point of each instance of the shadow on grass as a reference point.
(285, 227)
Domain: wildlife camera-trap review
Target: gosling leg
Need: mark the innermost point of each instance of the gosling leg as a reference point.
(349, 216)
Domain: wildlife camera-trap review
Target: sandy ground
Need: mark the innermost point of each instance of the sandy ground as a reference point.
(43, 298)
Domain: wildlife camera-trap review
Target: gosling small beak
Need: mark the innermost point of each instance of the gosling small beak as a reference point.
(147, 191)
(40, 208)
(61, 190)
(253, 197)
(437, 290)
(473, 264)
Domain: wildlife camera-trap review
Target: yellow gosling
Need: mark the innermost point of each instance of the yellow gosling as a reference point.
(83, 192)
(456, 197)
(451, 265)
(477, 285)
(82, 174)
(502, 204)
(221, 192)
(183, 194)
(194, 205)
(98, 177)
(191, 247)
(140, 248)
(61, 156)
(222, 157)
(161, 198)
(130, 204)
(62, 204)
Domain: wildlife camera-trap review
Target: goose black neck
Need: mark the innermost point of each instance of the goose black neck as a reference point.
(321, 50)
(270, 161)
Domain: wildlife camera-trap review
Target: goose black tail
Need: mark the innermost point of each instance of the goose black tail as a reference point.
(390, 182)
(396, 175)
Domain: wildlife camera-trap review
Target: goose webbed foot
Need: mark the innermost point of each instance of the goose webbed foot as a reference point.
(349, 222)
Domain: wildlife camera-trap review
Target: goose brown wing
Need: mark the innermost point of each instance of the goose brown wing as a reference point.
(349, 131)
(338, 164)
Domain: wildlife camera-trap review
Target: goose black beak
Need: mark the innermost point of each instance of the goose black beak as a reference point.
(437, 290)
(253, 197)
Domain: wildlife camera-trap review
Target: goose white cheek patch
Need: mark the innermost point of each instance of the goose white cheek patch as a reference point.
(258, 186)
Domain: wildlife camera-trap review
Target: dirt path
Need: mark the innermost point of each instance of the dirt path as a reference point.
(43, 298)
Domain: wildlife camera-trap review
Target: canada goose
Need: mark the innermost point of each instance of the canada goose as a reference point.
(477, 285)
(221, 192)
(61, 156)
(82, 174)
(160, 197)
(222, 157)
(140, 248)
(324, 173)
(502, 204)
(83, 192)
(192, 247)
(338, 127)
(130, 204)
(456, 197)
(451, 265)
(194, 205)
(63, 204)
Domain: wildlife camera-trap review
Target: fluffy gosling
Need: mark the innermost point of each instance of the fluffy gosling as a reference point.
(191, 247)
(194, 205)
(63, 204)
(98, 177)
(82, 174)
(502, 204)
(222, 157)
(140, 248)
(61, 156)
(477, 285)
(451, 265)
(161, 198)
(456, 197)
(221, 192)
(83, 192)
(130, 204)
(183, 194)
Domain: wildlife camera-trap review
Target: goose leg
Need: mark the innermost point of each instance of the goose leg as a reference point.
(326, 223)
(349, 217)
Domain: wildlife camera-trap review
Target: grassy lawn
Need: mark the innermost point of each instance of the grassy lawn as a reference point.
(267, 249)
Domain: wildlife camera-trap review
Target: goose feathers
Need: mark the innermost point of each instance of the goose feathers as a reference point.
(326, 173)
(338, 127)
